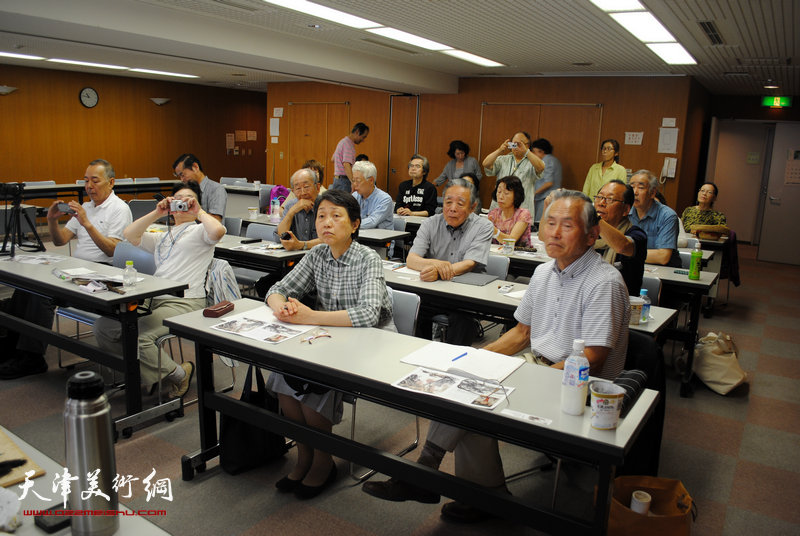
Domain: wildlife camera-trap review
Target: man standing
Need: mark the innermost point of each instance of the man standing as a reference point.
(657, 220)
(344, 157)
(187, 167)
(376, 205)
(551, 176)
(621, 243)
(299, 218)
(416, 196)
(576, 284)
(98, 225)
(450, 244)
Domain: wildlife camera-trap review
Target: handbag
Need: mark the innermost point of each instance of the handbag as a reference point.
(672, 510)
(244, 446)
(715, 363)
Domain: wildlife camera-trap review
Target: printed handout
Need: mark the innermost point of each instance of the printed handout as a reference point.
(260, 324)
(484, 394)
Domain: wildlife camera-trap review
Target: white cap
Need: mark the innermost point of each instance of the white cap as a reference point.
(578, 345)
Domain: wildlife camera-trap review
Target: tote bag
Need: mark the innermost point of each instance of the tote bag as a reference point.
(671, 509)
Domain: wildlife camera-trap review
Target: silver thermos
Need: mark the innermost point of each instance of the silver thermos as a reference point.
(88, 434)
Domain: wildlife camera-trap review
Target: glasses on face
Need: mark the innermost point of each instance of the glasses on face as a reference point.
(607, 200)
(607, 149)
(415, 166)
(302, 188)
(180, 174)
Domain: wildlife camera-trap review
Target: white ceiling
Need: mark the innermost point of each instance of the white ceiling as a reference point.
(247, 43)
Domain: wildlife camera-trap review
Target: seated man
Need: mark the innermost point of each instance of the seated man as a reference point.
(621, 243)
(416, 196)
(184, 253)
(376, 205)
(98, 224)
(576, 284)
(187, 167)
(450, 244)
(656, 219)
(299, 215)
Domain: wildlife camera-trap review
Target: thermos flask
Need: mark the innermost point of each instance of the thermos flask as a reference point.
(88, 435)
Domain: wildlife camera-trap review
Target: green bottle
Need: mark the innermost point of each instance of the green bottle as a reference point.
(697, 261)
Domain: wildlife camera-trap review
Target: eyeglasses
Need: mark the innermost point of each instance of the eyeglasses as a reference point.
(606, 149)
(607, 200)
(303, 188)
(180, 175)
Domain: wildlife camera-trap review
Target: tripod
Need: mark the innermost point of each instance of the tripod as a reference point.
(13, 224)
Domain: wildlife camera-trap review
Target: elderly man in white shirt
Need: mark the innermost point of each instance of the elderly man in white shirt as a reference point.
(98, 225)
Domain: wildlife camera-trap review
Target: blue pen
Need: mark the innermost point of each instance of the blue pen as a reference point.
(459, 357)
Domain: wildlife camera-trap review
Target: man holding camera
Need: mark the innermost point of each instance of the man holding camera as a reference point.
(98, 224)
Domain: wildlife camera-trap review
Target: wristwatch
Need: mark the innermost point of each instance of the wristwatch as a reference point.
(305, 246)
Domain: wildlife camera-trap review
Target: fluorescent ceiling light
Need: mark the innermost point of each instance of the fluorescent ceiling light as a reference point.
(408, 38)
(88, 64)
(644, 26)
(20, 56)
(672, 53)
(618, 5)
(316, 10)
(163, 73)
(472, 58)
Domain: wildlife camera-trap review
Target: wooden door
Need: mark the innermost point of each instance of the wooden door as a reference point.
(403, 141)
(574, 131)
(314, 129)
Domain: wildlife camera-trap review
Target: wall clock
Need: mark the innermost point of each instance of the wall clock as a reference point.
(89, 97)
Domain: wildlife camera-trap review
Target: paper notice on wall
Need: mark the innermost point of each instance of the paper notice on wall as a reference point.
(273, 139)
(241, 135)
(274, 126)
(633, 138)
(252, 135)
(230, 141)
(277, 112)
(668, 140)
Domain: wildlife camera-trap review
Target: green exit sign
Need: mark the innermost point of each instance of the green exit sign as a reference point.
(776, 102)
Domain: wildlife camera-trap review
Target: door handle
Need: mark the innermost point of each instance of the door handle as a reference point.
(774, 200)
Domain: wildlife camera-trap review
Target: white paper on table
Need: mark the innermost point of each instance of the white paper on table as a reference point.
(464, 360)
(260, 324)
(517, 294)
(453, 387)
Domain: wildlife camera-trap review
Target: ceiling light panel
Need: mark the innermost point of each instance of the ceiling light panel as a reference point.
(672, 53)
(165, 73)
(472, 58)
(411, 39)
(644, 26)
(88, 64)
(322, 12)
(618, 5)
(20, 56)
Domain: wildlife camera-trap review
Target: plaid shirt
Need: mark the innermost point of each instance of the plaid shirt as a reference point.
(353, 282)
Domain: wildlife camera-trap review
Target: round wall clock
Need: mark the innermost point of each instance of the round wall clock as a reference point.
(89, 97)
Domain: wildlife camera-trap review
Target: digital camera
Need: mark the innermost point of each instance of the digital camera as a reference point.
(512, 145)
(178, 205)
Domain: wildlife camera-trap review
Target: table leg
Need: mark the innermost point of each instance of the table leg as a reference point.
(605, 489)
(209, 443)
(130, 355)
(695, 305)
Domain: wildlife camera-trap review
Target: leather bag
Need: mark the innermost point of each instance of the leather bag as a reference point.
(672, 510)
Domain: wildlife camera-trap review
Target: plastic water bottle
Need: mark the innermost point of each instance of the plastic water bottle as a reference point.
(90, 447)
(129, 275)
(697, 260)
(575, 381)
(274, 210)
(645, 307)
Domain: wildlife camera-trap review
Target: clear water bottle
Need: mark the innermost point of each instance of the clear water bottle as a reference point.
(697, 260)
(88, 435)
(129, 275)
(645, 307)
(575, 381)
(275, 210)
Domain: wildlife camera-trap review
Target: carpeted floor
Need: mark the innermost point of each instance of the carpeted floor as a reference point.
(737, 455)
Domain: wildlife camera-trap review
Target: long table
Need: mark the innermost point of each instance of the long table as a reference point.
(449, 295)
(255, 256)
(38, 279)
(364, 362)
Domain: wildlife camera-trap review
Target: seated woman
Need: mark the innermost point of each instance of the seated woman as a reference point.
(460, 162)
(703, 213)
(510, 221)
(350, 291)
(184, 253)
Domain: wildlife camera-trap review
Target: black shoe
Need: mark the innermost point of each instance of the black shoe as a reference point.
(287, 485)
(398, 491)
(23, 364)
(461, 513)
(301, 491)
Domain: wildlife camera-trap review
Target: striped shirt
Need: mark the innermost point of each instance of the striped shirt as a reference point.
(354, 282)
(587, 300)
(345, 152)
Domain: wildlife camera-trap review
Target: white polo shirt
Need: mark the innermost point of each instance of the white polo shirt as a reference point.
(110, 218)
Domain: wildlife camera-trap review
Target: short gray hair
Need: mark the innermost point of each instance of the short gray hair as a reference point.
(107, 167)
(651, 178)
(366, 168)
(473, 193)
(305, 171)
(589, 214)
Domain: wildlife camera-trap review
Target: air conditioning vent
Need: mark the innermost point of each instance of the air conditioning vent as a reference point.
(711, 31)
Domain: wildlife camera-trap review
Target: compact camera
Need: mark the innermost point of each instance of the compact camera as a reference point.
(64, 207)
(512, 145)
(178, 205)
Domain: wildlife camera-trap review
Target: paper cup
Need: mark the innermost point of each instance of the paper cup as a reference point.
(256, 184)
(606, 404)
(640, 502)
(252, 212)
(508, 246)
(636, 310)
